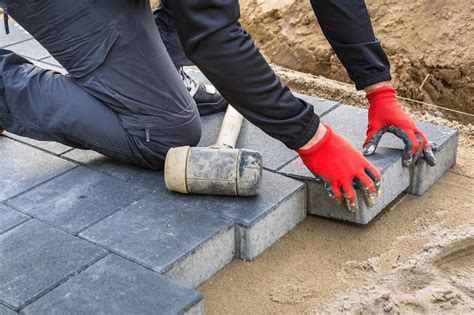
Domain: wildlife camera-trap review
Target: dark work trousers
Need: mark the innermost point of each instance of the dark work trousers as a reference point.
(345, 23)
(123, 96)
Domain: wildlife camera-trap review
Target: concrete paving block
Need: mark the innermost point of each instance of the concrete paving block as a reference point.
(10, 218)
(50, 146)
(36, 257)
(395, 177)
(30, 49)
(6, 311)
(446, 142)
(274, 153)
(169, 234)
(115, 285)
(26, 167)
(321, 106)
(17, 34)
(263, 219)
(77, 199)
(99, 162)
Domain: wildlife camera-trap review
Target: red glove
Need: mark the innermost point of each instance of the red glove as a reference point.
(387, 115)
(342, 168)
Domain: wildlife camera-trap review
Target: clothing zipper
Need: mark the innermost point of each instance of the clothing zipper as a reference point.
(5, 18)
(147, 135)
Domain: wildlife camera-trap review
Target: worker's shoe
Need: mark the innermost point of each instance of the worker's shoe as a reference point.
(207, 98)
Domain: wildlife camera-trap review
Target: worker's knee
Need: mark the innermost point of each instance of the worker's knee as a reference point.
(188, 134)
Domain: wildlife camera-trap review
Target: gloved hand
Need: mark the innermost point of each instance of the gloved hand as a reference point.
(342, 168)
(387, 115)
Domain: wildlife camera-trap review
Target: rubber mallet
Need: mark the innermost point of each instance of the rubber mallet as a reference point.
(216, 170)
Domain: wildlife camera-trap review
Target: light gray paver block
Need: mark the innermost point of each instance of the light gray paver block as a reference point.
(26, 167)
(115, 285)
(274, 153)
(35, 257)
(77, 199)
(9, 218)
(6, 311)
(167, 233)
(263, 219)
(99, 162)
(446, 142)
(30, 49)
(17, 34)
(50, 146)
(351, 123)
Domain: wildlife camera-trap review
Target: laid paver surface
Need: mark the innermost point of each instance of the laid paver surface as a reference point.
(10, 218)
(80, 233)
(36, 256)
(27, 167)
(115, 285)
(77, 199)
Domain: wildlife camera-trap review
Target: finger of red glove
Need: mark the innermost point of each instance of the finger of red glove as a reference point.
(349, 195)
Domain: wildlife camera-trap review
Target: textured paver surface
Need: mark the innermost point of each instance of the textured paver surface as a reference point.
(115, 285)
(80, 233)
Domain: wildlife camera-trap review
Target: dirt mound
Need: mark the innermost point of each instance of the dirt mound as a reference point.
(424, 39)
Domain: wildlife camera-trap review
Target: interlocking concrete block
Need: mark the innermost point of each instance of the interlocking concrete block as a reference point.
(101, 163)
(274, 153)
(30, 49)
(17, 34)
(351, 123)
(50, 146)
(445, 141)
(263, 219)
(9, 218)
(26, 168)
(169, 234)
(321, 106)
(6, 311)
(115, 285)
(77, 199)
(35, 257)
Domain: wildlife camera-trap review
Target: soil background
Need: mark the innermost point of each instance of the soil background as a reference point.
(424, 39)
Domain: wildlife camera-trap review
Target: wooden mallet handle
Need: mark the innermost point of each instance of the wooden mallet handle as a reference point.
(230, 128)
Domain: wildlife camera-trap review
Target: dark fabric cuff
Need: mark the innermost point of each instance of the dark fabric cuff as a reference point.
(372, 79)
(307, 135)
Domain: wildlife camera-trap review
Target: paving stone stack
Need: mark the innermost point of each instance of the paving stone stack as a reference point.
(80, 233)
